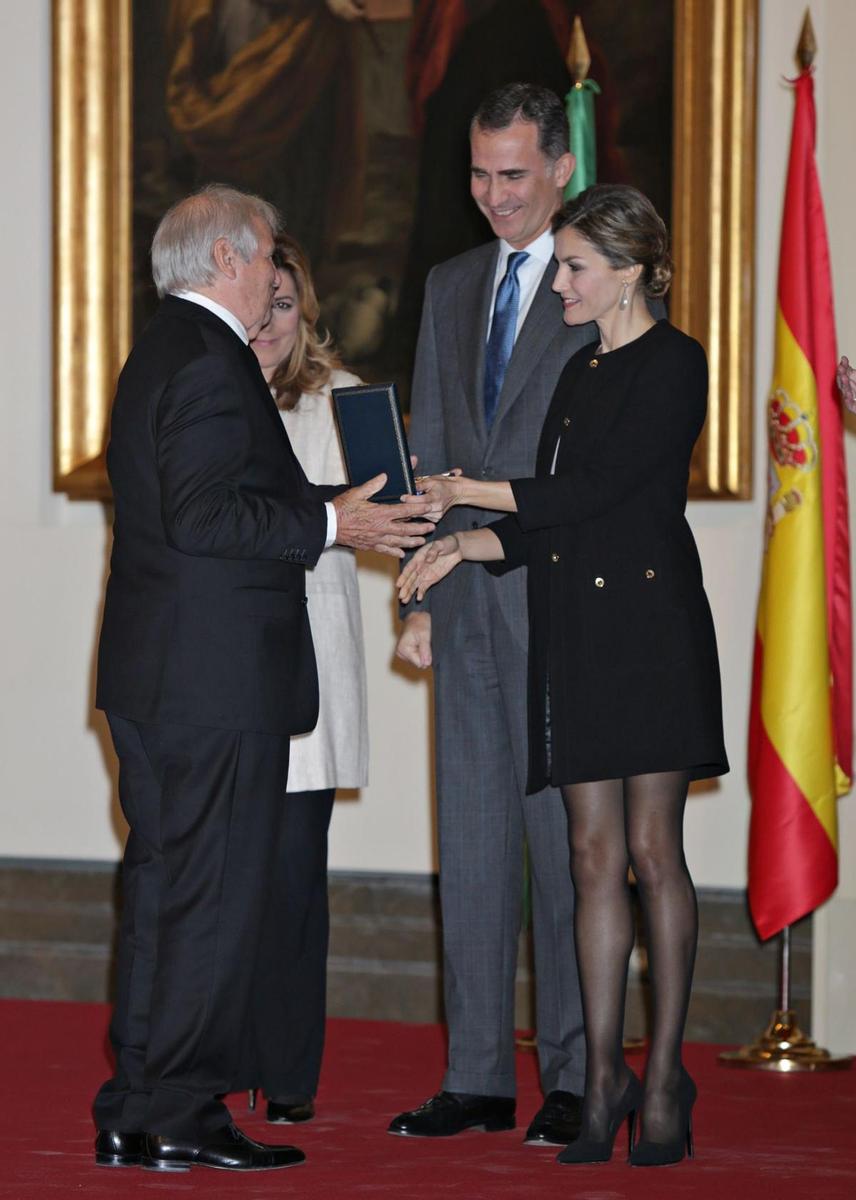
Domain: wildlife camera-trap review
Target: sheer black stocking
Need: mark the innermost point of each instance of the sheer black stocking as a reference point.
(603, 930)
(614, 823)
(654, 816)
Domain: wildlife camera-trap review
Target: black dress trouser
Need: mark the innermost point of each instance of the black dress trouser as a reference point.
(203, 807)
(290, 989)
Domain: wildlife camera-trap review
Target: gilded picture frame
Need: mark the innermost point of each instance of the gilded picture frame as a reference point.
(713, 224)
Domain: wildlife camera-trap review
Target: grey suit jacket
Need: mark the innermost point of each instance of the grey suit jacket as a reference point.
(448, 428)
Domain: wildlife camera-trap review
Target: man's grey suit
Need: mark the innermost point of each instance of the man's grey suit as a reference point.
(479, 645)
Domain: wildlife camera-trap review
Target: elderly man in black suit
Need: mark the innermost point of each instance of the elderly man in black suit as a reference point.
(205, 668)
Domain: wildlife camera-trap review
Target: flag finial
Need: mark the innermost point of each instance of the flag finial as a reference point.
(807, 45)
(578, 59)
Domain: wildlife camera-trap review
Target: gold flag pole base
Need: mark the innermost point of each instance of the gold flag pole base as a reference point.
(784, 1047)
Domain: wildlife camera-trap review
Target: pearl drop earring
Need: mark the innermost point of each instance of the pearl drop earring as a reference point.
(624, 302)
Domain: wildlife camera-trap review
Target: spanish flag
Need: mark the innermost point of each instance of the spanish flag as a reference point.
(800, 733)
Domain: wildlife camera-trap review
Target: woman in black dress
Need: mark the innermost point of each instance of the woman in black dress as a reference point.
(624, 692)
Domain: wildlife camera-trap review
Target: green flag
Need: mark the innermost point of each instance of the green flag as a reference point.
(579, 104)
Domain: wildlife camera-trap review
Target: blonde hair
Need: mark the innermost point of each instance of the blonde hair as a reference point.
(313, 358)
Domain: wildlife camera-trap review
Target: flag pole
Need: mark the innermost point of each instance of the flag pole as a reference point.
(579, 105)
(785, 970)
(783, 1047)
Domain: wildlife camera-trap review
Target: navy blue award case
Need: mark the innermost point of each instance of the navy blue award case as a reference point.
(373, 439)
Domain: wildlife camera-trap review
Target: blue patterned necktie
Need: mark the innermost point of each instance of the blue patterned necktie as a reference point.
(502, 330)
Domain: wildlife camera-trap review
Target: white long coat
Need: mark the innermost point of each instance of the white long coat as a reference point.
(336, 753)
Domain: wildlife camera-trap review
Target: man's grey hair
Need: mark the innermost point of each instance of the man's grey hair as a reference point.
(183, 245)
(526, 102)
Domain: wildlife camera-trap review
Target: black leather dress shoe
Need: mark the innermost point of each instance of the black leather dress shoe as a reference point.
(557, 1121)
(448, 1113)
(226, 1150)
(291, 1113)
(115, 1149)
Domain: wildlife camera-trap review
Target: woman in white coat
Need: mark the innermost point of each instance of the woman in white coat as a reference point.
(290, 996)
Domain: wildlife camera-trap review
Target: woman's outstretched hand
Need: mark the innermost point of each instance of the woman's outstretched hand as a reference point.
(428, 566)
(442, 490)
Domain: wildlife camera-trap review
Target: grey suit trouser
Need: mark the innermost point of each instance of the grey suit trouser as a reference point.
(483, 814)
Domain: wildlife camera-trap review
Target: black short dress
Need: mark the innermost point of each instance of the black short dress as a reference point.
(623, 668)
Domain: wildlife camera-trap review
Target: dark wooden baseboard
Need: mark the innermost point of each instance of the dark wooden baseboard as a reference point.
(58, 922)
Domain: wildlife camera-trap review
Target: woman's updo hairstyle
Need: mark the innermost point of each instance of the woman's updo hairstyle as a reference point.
(622, 225)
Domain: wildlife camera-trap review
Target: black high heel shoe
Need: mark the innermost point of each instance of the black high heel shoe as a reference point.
(661, 1154)
(595, 1150)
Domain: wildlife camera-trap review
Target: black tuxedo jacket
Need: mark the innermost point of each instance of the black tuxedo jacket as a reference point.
(205, 617)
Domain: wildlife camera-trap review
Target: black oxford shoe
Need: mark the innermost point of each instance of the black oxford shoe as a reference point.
(449, 1113)
(115, 1149)
(279, 1113)
(227, 1150)
(557, 1121)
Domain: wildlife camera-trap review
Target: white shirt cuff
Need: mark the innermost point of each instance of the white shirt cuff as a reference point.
(332, 523)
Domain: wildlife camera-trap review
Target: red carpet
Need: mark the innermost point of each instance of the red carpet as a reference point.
(757, 1136)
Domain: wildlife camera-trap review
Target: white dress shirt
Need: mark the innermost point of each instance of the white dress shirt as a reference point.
(219, 310)
(529, 274)
(237, 326)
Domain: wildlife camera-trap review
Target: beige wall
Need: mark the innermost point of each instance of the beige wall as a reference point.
(56, 794)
